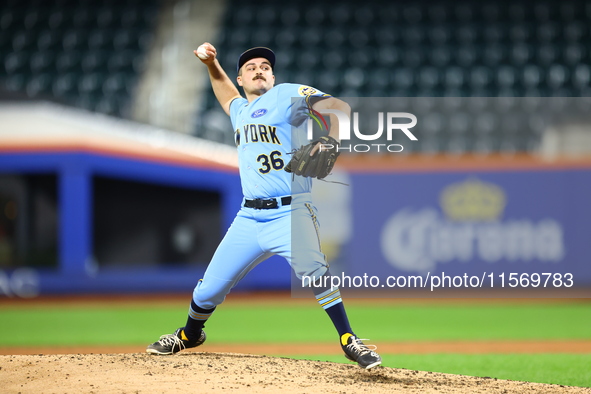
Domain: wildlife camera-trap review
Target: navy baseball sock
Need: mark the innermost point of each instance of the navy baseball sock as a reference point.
(330, 300)
(196, 320)
(339, 318)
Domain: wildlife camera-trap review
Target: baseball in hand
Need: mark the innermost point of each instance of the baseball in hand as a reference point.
(201, 54)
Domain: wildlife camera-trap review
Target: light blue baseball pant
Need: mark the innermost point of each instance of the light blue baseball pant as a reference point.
(257, 234)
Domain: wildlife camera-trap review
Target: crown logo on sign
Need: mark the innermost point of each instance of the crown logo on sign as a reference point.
(473, 200)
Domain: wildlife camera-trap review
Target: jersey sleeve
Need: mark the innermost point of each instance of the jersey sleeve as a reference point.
(301, 100)
(236, 107)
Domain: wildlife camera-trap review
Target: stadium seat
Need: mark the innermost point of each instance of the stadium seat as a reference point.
(58, 17)
(506, 76)
(286, 38)
(354, 78)
(493, 33)
(49, 40)
(480, 77)
(364, 15)
(413, 58)
(91, 83)
(547, 32)
(239, 36)
(88, 100)
(428, 78)
(123, 61)
(457, 145)
(83, 17)
(439, 35)
(243, 15)
(581, 76)
(517, 12)
(574, 54)
(483, 145)
(413, 35)
(315, 16)
(328, 81)
(568, 11)
(437, 13)
(266, 15)
(412, 14)
(494, 55)
(542, 11)
(290, 16)
(65, 85)
(434, 49)
(485, 123)
(402, 78)
(490, 12)
(311, 37)
(38, 84)
(106, 18)
(557, 76)
(531, 76)
(440, 56)
(115, 84)
(17, 62)
(61, 49)
(520, 53)
(520, 32)
(454, 77)
(361, 59)
(75, 39)
(387, 56)
(385, 36)
(339, 14)
(333, 60)
(432, 123)
(358, 38)
(263, 37)
(68, 61)
(100, 38)
(465, 34)
(24, 40)
(546, 54)
(126, 38)
(285, 59)
(466, 55)
(15, 82)
(42, 62)
(334, 38)
(94, 61)
(430, 145)
(132, 18)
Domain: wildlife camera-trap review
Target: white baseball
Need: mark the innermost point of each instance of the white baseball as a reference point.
(201, 54)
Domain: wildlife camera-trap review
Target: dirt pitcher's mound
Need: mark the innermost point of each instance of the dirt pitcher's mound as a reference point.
(222, 372)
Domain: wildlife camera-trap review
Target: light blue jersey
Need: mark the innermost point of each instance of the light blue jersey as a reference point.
(266, 132)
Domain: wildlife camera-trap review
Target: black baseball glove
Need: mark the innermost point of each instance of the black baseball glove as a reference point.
(320, 164)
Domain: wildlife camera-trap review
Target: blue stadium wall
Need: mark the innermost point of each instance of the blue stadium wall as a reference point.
(75, 273)
(531, 218)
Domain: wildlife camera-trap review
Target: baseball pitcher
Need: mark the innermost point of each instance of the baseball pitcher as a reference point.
(277, 215)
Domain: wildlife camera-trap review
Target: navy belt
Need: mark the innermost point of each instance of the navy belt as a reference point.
(259, 203)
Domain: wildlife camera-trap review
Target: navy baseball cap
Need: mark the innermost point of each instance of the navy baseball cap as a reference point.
(252, 53)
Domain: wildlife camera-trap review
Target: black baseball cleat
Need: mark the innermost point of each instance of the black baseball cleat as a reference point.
(174, 343)
(357, 351)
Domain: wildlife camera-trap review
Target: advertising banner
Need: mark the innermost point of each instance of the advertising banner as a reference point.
(504, 230)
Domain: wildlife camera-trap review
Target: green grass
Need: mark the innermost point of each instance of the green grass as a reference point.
(412, 323)
(294, 323)
(565, 369)
(50, 325)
